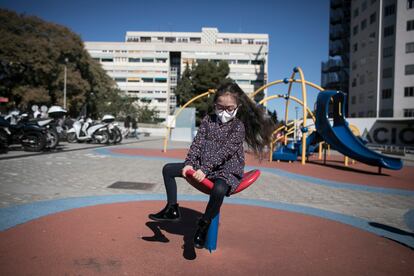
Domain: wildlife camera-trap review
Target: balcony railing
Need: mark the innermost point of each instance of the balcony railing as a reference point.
(332, 65)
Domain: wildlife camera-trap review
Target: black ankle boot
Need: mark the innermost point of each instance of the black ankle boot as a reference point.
(171, 212)
(201, 233)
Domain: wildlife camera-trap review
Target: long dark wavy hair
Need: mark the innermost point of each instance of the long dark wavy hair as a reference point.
(258, 125)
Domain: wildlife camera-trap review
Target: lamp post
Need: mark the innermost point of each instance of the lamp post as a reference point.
(64, 85)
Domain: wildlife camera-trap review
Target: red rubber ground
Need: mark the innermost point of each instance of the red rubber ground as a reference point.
(108, 240)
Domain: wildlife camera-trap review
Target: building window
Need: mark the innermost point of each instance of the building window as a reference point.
(410, 25)
(242, 61)
(148, 80)
(386, 93)
(409, 91)
(390, 30)
(373, 1)
(361, 114)
(170, 39)
(134, 79)
(355, 30)
(160, 80)
(107, 60)
(356, 12)
(134, 59)
(409, 47)
(355, 47)
(371, 37)
(147, 60)
(354, 65)
(389, 10)
(409, 112)
(257, 62)
(353, 100)
(387, 73)
(235, 41)
(120, 79)
(354, 82)
(363, 24)
(410, 4)
(372, 18)
(364, 6)
(145, 39)
(196, 39)
(361, 98)
(243, 81)
(388, 52)
(409, 69)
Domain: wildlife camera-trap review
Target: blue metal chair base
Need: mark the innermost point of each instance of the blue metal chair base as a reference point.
(211, 241)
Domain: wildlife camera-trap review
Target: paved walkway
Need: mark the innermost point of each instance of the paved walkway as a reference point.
(75, 177)
(89, 172)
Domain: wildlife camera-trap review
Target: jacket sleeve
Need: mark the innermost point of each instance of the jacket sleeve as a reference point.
(193, 155)
(228, 149)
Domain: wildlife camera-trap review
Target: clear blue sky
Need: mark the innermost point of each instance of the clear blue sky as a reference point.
(298, 30)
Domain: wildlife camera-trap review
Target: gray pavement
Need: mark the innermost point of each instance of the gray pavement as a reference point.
(79, 170)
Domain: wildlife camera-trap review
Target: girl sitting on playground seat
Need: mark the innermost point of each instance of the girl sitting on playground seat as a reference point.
(217, 153)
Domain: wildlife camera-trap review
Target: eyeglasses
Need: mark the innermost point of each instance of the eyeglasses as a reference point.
(230, 109)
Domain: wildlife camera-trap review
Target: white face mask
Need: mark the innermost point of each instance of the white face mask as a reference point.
(224, 116)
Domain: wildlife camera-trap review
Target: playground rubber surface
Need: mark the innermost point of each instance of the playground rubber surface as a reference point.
(333, 170)
(119, 239)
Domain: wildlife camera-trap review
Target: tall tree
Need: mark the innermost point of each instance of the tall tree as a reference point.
(33, 55)
(185, 90)
(199, 79)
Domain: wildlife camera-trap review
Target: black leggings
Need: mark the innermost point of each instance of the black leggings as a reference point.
(220, 189)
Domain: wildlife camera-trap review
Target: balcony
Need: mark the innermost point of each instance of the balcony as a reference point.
(336, 4)
(336, 32)
(332, 65)
(330, 79)
(336, 16)
(336, 50)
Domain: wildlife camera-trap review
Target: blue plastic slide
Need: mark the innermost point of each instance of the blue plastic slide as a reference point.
(341, 138)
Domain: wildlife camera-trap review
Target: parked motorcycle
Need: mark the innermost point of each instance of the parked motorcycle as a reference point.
(14, 131)
(57, 113)
(52, 135)
(88, 132)
(115, 135)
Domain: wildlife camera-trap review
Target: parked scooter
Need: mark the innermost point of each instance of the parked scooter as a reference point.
(14, 131)
(115, 135)
(89, 132)
(52, 135)
(57, 113)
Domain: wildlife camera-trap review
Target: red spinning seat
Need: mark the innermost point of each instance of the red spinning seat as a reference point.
(206, 185)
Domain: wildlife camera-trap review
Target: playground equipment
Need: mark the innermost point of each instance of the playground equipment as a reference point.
(302, 102)
(321, 134)
(340, 136)
(206, 186)
(292, 150)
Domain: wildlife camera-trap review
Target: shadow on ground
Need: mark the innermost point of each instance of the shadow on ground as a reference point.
(186, 228)
(393, 230)
(343, 168)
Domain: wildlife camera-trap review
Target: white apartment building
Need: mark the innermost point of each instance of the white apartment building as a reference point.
(381, 82)
(148, 65)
